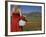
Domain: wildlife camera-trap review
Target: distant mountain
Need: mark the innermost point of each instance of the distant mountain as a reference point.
(33, 13)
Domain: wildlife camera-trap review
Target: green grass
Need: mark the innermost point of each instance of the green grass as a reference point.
(34, 23)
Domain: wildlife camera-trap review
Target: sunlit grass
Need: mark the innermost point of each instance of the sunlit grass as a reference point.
(34, 23)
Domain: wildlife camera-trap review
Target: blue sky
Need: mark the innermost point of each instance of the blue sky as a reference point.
(28, 9)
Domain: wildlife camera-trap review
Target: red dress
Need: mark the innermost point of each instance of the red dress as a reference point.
(15, 22)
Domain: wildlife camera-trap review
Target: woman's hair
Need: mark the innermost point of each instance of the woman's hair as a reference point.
(17, 9)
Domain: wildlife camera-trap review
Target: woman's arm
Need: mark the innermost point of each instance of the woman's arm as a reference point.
(23, 18)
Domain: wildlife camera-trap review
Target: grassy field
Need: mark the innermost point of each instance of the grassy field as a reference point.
(34, 23)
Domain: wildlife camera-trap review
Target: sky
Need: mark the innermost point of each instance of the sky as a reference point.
(28, 9)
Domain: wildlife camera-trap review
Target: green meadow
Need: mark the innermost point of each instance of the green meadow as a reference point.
(34, 21)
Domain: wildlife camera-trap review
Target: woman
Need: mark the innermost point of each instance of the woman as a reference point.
(15, 18)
